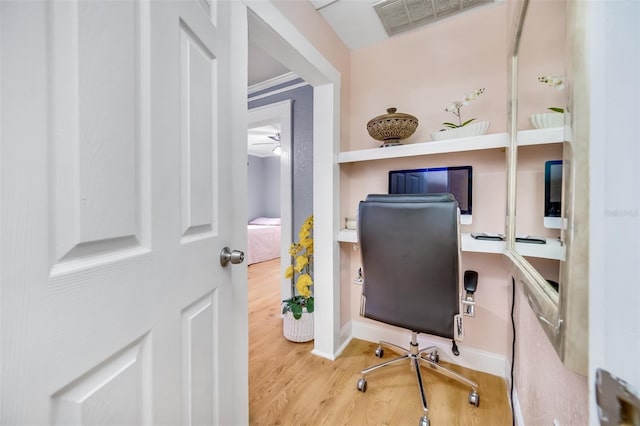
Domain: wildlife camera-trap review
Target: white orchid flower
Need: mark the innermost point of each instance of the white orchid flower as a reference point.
(455, 107)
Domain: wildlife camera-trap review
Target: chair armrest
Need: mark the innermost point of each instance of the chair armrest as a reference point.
(470, 281)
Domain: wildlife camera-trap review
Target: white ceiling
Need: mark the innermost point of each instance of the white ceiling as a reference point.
(355, 21)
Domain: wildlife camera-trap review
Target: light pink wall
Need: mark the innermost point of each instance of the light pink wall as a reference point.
(542, 52)
(530, 188)
(546, 390)
(423, 71)
(420, 73)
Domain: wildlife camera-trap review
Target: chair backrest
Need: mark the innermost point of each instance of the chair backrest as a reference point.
(411, 261)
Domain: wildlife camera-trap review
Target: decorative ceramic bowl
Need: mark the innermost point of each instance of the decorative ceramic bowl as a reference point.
(390, 128)
(474, 129)
(547, 120)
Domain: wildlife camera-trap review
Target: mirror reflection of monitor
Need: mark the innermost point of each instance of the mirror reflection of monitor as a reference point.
(553, 194)
(455, 180)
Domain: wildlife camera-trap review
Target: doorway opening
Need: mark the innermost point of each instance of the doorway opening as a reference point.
(270, 196)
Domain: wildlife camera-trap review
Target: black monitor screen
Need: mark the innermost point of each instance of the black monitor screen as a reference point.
(455, 180)
(552, 188)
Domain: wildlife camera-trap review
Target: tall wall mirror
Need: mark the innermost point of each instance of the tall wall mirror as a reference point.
(541, 206)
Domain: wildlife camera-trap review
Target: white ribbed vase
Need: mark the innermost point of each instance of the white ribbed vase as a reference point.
(298, 330)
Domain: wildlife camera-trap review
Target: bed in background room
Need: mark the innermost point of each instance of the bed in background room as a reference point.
(263, 235)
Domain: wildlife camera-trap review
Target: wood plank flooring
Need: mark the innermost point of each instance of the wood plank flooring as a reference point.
(290, 386)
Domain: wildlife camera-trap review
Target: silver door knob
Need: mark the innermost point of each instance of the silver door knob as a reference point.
(235, 256)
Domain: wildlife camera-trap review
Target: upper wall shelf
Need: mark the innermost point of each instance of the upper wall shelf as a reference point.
(491, 141)
(495, 140)
(540, 136)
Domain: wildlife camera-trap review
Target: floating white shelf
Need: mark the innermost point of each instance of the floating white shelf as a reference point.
(491, 141)
(348, 236)
(553, 249)
(540, 136)
(474, 143)
(481, 246)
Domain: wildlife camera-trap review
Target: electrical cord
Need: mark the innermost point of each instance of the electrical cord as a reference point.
(513, 346)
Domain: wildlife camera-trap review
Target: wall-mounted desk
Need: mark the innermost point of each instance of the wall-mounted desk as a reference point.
(553, 249)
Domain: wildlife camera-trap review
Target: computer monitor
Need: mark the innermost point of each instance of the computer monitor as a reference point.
(553, 194)
(455, 180)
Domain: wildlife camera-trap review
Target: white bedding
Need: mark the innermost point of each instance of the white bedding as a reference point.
(263, 243)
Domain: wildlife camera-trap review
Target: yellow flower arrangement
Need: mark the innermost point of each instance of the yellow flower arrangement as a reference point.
(299, 272)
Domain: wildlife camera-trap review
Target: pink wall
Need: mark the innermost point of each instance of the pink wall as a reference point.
(423, 71)
(542, 52)
(420, 73)
(546, 390)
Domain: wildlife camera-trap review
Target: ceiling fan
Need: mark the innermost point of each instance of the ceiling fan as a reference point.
(275, 139)
(267, 135)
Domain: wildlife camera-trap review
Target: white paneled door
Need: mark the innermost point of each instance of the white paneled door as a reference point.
(116, 162)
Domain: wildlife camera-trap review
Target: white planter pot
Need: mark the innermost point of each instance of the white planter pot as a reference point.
(474, 129)
(547, 120)
(298, 330)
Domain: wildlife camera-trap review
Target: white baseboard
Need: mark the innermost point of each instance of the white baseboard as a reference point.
(474, 359)
(323, 355)
(345, 339)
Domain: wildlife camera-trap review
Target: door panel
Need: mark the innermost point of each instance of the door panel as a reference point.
(197, 106)
(96, 116)
(112, 299)
(199, 355)
(118, 391)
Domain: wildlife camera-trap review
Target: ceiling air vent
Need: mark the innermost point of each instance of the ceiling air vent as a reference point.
(402, 15)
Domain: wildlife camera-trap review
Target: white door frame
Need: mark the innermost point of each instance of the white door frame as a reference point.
(267, 114)
(276, 35)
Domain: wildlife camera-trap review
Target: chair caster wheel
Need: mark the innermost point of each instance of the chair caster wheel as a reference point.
(379, 352)
(434, 357)
(424, 421)
(362, 385)
(474, 398)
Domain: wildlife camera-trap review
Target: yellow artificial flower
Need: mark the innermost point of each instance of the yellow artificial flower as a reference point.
(303, 283)
(294, 248)
(306, 243)
(304, 233)
(288, 273)
(301, 262)
(299, 271)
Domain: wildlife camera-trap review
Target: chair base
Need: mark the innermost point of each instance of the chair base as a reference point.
(428, 356)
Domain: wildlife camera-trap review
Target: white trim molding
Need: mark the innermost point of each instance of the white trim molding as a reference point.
(275, 34)
(275, 81)
(281, 112)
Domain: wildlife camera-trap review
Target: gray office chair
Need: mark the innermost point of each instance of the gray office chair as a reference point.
(411, 267)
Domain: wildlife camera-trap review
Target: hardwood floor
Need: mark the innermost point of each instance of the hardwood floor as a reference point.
(289, 386)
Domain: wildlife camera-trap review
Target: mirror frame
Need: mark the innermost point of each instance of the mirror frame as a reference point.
(562, 315)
